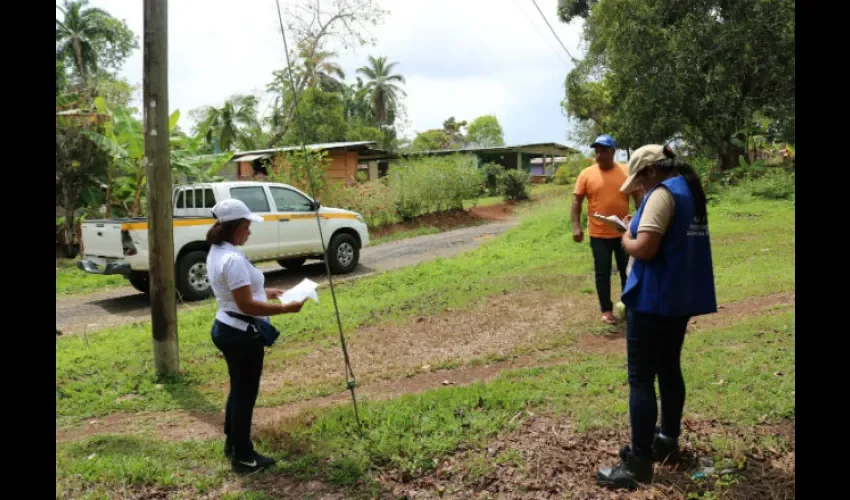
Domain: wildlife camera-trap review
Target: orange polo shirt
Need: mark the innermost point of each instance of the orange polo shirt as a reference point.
(602, 189)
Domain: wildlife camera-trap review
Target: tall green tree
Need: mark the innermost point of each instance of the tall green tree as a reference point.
(79, 164)
(61, 78)
(431, 140)
(228, 123)
(383, 87)
(485, 131)
(453, 130)
(310, 23)
(320, 71)
(91, 40)
(319, 118)
(701, 70)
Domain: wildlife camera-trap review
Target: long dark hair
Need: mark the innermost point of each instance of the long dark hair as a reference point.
(677, 166)
(221, 232)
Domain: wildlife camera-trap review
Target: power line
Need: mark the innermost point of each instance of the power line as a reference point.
(553, 32)
(542, 37)
(349, 372)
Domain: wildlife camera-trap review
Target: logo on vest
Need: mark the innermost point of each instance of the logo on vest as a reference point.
(699, 227)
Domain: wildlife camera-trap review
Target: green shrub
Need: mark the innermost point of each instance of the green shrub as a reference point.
(374, 200)
(568, 171)
(434, 184)
(491, 173)
(776, 184)
(514, 184)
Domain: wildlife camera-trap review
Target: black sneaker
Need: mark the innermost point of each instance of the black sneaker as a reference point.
(664, 449)
(257, 463)
(628, 475)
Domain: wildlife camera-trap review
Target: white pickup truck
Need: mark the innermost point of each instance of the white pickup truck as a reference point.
(289, 235)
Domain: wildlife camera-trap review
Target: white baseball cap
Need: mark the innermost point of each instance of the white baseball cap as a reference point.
(233, 209)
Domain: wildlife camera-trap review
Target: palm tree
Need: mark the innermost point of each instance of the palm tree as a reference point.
(229, 122)
(356, 102)
(383, 91)
(320, 72)
(78, 34)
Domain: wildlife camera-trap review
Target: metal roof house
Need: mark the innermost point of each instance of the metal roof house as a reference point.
(515, 156)
(344, 158)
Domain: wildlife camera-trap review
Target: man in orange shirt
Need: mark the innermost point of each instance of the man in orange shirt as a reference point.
(600, 184)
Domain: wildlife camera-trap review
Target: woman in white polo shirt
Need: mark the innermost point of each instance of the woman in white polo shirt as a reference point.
(239, 290)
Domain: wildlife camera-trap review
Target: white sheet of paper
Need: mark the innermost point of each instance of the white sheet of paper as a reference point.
(304, 290)
(614, 221)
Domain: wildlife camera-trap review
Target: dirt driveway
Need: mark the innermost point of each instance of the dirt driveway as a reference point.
(98, 310)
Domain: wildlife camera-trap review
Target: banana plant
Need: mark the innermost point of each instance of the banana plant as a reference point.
(124, 140)
(188, 159)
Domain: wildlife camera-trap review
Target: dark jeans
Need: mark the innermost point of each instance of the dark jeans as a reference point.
(244, 354)
(602, 249)
(654, 346)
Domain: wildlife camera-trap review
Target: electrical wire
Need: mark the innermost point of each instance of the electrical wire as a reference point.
(351, 381)
(575, 61)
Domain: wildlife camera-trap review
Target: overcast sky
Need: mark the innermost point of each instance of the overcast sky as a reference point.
(461, 58)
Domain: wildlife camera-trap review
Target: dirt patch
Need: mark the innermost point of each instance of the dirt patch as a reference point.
(546, 458)
(500, 212)
(392, 360)
(272, 485)
(449, 339)
(443, 221)
(389, 360)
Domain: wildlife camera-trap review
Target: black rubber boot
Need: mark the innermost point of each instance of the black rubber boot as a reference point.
(664, 449)
(628, 475)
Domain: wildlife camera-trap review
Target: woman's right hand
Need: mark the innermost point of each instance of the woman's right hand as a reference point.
(292, 307)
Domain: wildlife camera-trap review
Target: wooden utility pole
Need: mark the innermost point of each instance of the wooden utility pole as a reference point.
(158, 169)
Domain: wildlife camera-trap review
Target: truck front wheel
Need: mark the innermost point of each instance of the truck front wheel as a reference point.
(344, 253)
(192, 280)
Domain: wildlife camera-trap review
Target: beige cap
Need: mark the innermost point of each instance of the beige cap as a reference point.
(640, 159)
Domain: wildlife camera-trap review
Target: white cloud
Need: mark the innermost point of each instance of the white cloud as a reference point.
(461, 58)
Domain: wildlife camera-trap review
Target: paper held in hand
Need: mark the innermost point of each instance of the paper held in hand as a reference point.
(304, 290)
(613, 221)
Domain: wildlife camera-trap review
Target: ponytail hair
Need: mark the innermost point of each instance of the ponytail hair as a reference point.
(677, 166)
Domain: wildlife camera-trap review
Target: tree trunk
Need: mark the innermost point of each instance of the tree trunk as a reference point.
(728, 156)
(78, 57)
(137, 195)
(68, 199)
(109, 189)
(283, 129)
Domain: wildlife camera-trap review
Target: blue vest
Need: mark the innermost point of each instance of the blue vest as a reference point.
(679, 280)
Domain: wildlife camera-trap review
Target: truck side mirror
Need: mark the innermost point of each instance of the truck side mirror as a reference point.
(315, 205)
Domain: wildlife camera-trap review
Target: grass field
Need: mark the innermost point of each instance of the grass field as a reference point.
(434, 314)
(72, 280)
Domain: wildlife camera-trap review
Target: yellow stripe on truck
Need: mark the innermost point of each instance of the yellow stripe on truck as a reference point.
(135, 226)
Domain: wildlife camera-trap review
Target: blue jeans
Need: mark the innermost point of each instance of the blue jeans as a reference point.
(244, 354)
(654, 346)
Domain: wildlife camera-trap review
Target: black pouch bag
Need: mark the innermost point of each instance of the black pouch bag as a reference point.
(264, 328)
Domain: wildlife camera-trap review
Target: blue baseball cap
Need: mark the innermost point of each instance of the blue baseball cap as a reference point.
(604, 140)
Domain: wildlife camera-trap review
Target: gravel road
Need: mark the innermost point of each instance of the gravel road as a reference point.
(85, 313)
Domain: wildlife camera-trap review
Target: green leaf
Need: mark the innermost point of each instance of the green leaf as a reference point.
(173, 119)
(105, 144)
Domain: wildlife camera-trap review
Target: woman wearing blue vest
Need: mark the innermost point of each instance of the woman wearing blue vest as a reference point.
(671, 280)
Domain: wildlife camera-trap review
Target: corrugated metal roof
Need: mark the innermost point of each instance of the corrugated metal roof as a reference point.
(253, 157)
(501, 148)
(321, 146)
